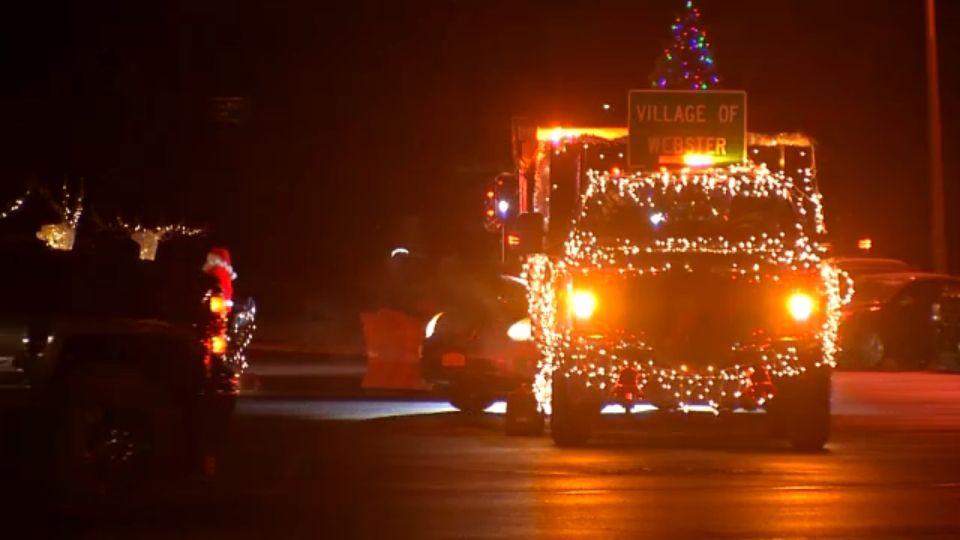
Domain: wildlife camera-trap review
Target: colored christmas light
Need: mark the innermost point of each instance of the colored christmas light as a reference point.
(688, 63)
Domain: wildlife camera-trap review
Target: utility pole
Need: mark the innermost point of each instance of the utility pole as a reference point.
(938, 231)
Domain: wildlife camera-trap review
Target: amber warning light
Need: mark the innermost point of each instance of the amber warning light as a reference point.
(218, 344)
(218, 304)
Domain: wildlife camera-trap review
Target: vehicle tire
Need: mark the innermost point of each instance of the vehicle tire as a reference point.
(871, 350)
(470, 401)
(524, 417)
(116, 437)
(572, 413)
(800, 410)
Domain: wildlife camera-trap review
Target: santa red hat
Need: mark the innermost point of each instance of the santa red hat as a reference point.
(222, 253)
(219, 257)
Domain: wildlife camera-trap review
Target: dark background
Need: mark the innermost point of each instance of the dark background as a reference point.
(357, 114)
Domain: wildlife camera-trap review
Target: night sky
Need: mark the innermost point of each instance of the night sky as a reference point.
(357, 114)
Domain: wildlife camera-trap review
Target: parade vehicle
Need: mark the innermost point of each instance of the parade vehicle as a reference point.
(686, 291)
(115, 373)
(903, 320)
(679, 281)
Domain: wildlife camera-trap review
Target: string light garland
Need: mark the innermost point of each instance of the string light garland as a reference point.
(62, 235)
(688, 62)
(242, 328)
(14, 206)
(666, 192)
(601, 361)
(149, 238)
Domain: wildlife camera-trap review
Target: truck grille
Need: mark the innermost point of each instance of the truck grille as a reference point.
(696, 319)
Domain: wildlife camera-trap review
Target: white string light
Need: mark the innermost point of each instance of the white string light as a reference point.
(62, 235)
(599, 363)
(14, 205)
(149, 238)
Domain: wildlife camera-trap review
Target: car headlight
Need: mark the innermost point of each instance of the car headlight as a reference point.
(520, 330)
(431, 326)
(801, 306)
(583, 303)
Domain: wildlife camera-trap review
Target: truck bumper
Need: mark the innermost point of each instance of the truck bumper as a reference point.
(746, 378)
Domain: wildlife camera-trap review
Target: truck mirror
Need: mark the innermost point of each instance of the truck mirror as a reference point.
(530, 231)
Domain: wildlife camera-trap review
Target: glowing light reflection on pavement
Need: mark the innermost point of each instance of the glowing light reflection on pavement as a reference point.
(357, 410)
(341, 410)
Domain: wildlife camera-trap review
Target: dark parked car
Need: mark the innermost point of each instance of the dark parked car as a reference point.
(900, 320)
(862, 266)
(480, 348)
(114, 373)
(946, 320)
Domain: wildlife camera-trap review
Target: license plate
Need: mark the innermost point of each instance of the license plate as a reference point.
(453, 360)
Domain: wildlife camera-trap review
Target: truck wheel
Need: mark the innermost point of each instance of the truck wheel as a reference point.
(572, 414)
(523, 417)
(800, 410)
(116, 436)
(470, 401)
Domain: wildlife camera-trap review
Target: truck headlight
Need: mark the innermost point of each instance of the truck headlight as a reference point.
(520, 330)
(801, 306)
(431, 326)
(583, 303)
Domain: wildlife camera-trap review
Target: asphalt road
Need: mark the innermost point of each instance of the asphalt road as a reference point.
(363, 468)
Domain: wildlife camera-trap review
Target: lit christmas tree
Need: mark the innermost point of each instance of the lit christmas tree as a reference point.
(687, 63)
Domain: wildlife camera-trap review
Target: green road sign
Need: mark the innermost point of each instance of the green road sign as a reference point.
(674, 128)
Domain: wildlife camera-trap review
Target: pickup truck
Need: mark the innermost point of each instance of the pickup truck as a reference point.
(115, 373)
(688, 291)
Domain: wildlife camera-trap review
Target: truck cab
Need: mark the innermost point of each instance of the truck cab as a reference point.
(682, 288)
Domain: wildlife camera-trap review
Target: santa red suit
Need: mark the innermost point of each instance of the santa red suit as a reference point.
(218, 265)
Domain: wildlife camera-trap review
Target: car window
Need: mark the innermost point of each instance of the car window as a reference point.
(920, 293)
(870, 291)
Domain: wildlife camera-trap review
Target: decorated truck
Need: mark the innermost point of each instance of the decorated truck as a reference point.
(692, 290)
(680, 268)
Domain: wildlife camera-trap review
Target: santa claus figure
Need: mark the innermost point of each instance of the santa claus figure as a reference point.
(218, 265)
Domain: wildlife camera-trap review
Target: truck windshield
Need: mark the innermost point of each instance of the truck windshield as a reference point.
(656, 215)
